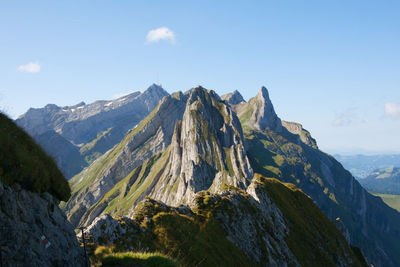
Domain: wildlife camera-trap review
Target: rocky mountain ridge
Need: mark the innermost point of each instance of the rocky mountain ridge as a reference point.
(186, 136)
(272, 147)
(86, 131)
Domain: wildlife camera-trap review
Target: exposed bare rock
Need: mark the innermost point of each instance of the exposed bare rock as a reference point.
(297, 129)
(259, 112)
(233, 98)
(34, 231)
(207, 151)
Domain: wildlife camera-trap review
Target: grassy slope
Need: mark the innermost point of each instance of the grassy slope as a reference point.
(137, 259)
(23, 161)
(301, 166)
(391, 200)
(310, 228)
(82, 180)
(126, 192)
(195, 240)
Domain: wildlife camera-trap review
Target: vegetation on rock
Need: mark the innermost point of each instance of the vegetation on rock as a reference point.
(24, 162)
(142, 259)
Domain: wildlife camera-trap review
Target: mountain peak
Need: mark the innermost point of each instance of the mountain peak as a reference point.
(202, 93)
(233, 98)
(156, 89)
(259, 112)
(263, 93)
(207, 149)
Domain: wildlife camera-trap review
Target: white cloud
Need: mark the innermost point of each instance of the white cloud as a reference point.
(31, 67)
(158, 34)
(392, 110)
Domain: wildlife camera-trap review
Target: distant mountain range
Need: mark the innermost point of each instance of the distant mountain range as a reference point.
(196, 142)
(76, 135)
(362, 166)
(383, 181)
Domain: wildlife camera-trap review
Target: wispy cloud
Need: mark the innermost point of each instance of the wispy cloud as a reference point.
(392, 110)
(31, 67)
(346, 118)
(159, 34)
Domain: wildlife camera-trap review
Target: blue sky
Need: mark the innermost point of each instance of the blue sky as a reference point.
(333, 66)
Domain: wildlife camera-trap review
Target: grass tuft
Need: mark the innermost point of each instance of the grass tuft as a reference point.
(153, 259)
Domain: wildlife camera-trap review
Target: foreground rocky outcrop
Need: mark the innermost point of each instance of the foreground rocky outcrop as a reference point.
(257, 227)
(34, 231)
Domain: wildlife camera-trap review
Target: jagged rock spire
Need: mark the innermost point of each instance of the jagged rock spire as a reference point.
(259, 112)
(264, 115)
(207, 150)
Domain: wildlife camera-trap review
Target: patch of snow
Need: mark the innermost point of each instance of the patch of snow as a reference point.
(122, 99)
(108, 104)
(80, 107)
(73, 110)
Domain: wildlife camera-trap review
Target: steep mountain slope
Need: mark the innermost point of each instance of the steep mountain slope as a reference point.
(84, 132)
(129, 162)
(384, 181)
(186, 136)
(33, 230)
(257, 227)
(290, 154)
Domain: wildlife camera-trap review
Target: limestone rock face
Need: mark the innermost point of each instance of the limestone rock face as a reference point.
(87, 130)
(247, 230)
(207, 151)
(297, 129)
(29, 222)
(259, 112)
(233, 98)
